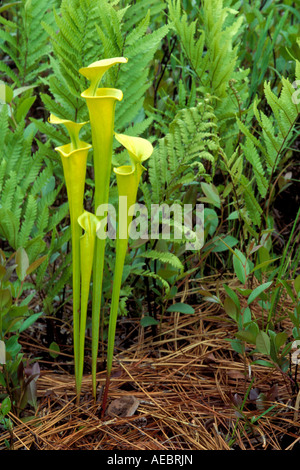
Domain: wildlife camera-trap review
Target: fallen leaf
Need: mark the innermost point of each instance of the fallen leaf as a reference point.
(254, 394)
(123, 407)
(210, 358)
(235, 374)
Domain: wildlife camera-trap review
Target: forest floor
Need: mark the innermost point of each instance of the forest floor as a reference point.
(185, 389)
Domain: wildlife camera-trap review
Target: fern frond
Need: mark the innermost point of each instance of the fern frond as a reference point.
(252, 205)
(30, 50)
(28, 222)
(190, 141)
(157, 277)
(163, 257)
(253, 157)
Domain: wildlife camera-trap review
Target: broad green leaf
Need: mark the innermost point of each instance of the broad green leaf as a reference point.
(237, 346)
(5, 406)
(181, 308)
(222, 244)
(262, 362)
(24, 107)
(29, 321)
(17, 311)
(233, 216)
(263, 344)
(297, 284)
(18, 91)
(253, 328)
(6, 93)
(263, 265)
(280, 339)
(9, 5)
(246, 335)
(148, 321)
(239, 264)
(257, 291)
(244, 292)
(167, 274)
(211, 193)
(247, 316)
(54, 347)
(12, 346)
(211, 220)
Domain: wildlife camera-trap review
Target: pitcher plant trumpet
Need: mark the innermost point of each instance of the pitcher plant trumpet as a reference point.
(74, 158)
(128, 178)
(101, 104)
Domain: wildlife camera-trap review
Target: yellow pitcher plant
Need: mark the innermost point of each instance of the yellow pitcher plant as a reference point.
(74, 158)
(101, 103)
(88, 250)
(128, 178)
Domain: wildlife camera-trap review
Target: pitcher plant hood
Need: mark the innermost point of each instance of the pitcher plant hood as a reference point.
(74, 158)
(73, 129)
(139, 149)
(95, 71)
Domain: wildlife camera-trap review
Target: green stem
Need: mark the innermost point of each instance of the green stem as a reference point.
(76, 233)
(83, 316)
(102, 180)
(89, 223)
(121, 250)
(96, 308)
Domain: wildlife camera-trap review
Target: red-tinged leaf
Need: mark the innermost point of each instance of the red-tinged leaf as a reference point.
(22, 262)
(297, 284)
(35, 265)
(230, 308)
(5, 298)
(2, 271)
